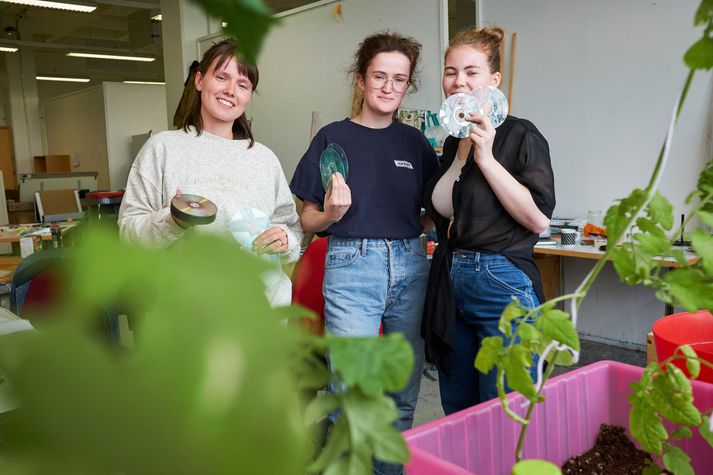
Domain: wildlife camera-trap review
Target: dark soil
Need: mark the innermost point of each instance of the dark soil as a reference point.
(612, 454)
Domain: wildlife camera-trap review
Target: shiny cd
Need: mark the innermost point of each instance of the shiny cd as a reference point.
(491, 102)
(454, 112)
(193, 209)
(488, 100)
(332, 160)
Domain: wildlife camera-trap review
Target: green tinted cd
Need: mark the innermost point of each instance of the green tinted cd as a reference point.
(333, 160)
(193, 209)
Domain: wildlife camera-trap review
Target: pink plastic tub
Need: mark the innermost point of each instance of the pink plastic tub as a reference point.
(482, 439)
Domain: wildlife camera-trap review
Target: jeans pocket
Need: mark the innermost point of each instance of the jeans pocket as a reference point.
(341, 256)
(511, 279)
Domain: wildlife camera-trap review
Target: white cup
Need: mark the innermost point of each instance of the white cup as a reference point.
(569, 237)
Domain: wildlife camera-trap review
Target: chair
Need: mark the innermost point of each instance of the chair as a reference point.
(307, 281)
(41, 281)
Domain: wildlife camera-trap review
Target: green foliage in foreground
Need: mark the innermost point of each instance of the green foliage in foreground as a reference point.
(212, 385)
(638, 229)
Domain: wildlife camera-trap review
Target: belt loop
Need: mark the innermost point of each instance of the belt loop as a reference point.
(477, 261)
(364, 243)
(407, 245)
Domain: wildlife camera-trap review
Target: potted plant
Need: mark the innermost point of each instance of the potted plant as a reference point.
(637, 228)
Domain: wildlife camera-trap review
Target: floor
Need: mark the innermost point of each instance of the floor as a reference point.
(429, 402)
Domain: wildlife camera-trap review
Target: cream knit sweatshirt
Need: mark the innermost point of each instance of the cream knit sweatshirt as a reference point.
(226, 172)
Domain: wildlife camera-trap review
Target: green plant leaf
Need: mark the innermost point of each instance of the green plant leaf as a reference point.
(690, 287)
(561, 358)
(489, 354)
(704, 14)
(535, 467)
(652, 468)
(526, 332)
(646, 426)
(512, 311)
(618, 215)
(373, 364)
(516, 363)
(371, 420)
(625, 264)
(556, 325)
(677, 461)
(692, 363)
(248, 22)
(704, 430)
(707, 218)
(337, 445)
(672, 397)
(682, 433)
(700, 55)
(702, 243)
(320, 407)
(661, 211)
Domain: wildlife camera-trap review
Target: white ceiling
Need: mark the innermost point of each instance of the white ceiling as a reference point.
(121, 26)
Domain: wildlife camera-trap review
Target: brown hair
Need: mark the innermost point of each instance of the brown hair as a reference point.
(220, 54)
(387, 42)
(485, 40)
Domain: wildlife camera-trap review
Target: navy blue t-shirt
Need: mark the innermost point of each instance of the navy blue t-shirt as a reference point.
(388, 172)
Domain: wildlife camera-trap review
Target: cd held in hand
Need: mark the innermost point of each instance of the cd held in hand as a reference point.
(487, 100)
(333, 160)
(193, 209)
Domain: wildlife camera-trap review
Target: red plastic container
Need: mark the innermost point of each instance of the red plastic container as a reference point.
(482, 439)
(694, 329)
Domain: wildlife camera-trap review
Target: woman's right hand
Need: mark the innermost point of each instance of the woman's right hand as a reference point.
(338, 198)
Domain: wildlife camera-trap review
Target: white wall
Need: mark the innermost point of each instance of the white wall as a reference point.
(130, 109)
(74, 124)
(599, 79)
(304, 62)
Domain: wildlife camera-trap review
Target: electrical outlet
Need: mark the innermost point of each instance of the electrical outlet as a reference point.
(75, 160)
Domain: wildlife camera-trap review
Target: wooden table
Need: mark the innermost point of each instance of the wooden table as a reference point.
(8, 264)
(551, 276)
(13, 233)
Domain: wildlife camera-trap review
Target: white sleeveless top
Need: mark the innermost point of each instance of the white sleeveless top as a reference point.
(442, 196)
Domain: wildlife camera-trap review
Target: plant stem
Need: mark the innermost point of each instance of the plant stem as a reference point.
(531, 408)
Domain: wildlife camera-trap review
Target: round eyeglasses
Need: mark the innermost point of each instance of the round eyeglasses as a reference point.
(379, 80)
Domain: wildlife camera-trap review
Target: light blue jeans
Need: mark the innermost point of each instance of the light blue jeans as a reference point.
(373, 282)
(483, 285)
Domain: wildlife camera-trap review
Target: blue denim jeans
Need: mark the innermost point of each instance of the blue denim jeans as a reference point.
(483, 284)
(373, 282)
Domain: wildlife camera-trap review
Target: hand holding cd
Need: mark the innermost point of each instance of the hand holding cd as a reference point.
(273, 240)
(190, 210)
(456, 110)
(338, 199)
(332, 160)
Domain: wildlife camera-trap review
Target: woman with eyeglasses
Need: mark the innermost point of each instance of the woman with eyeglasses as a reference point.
(491, 198)
(376, 268)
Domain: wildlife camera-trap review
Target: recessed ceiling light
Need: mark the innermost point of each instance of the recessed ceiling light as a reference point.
(144, 59)
(157, 83)
(158, 17)
(75, 7)
(7, 49)
(61, 79)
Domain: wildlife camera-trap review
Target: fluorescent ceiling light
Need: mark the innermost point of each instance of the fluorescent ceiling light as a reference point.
(7, 49)
(157, 83)
(74, 7)
(143, 59)
(158, 17)
(61, 79)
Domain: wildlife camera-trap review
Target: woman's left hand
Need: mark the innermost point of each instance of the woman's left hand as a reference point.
(482, 135)
(271, 241)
